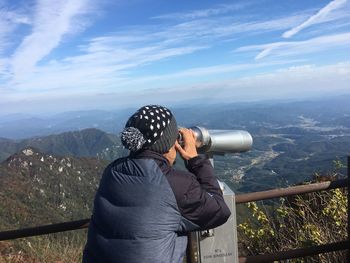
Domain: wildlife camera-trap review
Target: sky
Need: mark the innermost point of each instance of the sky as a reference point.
(65, 55)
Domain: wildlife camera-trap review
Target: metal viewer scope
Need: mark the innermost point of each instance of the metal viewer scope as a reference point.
(222, 141)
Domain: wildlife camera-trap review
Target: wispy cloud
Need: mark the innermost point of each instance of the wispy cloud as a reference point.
(9, 21)
(325, 14)
(219, 10)
(52, 20)
(14, 17)
(107, 60)
(223, 27)
(319, 17)
(103, 64)
(291, 48)
(202, 72)
(128, 58)
(286, 83)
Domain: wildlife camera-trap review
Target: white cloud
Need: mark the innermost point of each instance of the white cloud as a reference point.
(294, 48)
(9, 21)
(326, 14)
(202, 72)
(76, 76)
(107, 59)
(319, 17)
(52, 20)
(223, 27)
(221, 9)
(3, 67)
(121, 51)
(103, 65)
(116, 63)
(286, 83)
(15, 17)
(107, 63)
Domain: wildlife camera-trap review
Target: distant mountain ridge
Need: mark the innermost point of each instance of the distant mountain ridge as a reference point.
(330, 111)
(88, 142)
(21, 126)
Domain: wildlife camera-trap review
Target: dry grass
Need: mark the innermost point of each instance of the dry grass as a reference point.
(66, 247)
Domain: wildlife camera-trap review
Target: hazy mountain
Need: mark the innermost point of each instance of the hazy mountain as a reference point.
(30, 126)
(334, 111)
(89, 142)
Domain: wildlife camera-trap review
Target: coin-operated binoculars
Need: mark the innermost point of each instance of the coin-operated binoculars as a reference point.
(218, 245)
(221, 141)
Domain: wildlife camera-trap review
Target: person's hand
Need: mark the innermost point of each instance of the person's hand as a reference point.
(189, 149)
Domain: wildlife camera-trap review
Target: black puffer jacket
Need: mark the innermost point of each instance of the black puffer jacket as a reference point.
(143, 209)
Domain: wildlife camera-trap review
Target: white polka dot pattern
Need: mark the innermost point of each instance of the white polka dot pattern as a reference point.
(154, 119)
(152, 127)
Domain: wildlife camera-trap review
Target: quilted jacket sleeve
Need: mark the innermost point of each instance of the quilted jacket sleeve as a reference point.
(198, 194)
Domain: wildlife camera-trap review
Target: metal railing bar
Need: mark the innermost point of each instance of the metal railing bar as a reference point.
(292, 190)
(296, 253)
(241, 198)
(43, 230)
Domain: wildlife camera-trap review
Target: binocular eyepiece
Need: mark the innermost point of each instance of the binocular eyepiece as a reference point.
(220, 141)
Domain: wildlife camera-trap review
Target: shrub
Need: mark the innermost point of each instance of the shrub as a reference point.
(296, 222)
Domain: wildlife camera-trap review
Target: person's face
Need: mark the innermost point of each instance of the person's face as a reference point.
(171, 155)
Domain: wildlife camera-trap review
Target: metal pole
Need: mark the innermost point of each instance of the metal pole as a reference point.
(296, 253)
(292, 190)
(43, 230)
(188, 249)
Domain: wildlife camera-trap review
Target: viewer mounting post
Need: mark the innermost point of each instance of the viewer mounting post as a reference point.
(219, 244)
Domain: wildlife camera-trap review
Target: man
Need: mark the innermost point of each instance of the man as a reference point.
(143, 207)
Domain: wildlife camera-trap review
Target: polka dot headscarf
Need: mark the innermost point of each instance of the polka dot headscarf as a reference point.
(151, 127)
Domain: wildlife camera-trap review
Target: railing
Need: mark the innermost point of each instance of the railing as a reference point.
(295, 190)
(241, 198)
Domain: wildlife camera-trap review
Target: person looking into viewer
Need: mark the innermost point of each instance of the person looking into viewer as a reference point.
(143, 207)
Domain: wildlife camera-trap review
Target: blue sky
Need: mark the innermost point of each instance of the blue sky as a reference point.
(69, 55)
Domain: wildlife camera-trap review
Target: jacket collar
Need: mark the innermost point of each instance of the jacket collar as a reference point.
(149, 154)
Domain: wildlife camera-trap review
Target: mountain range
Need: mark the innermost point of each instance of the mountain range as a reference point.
(88, 142)
(21, 126)
(52, 178)
(328, 112)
